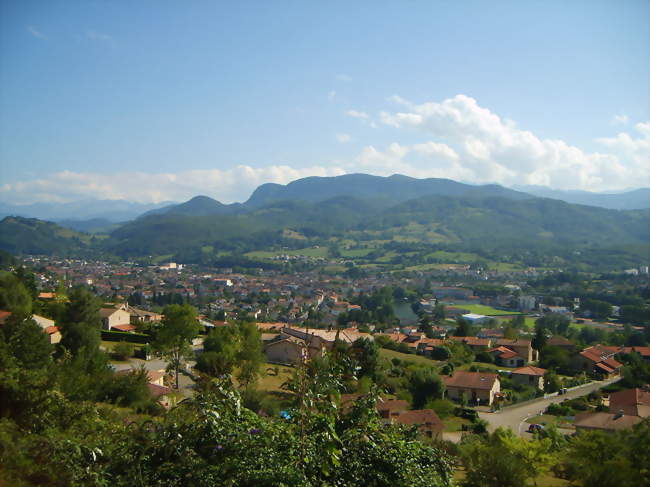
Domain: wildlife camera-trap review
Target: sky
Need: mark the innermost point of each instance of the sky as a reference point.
(155, 101)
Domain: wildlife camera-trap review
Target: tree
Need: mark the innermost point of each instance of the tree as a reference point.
(439, 313)
(539, 340)
(425, 384)
(251, 355)
(502, 459)
(599, 309)
(463, 328)
(174, 337)
(220, 350)
(81, 323)
(366, 353)
(31, 346)
(14, 297)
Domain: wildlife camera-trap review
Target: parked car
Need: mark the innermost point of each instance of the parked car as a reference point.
(535, 427)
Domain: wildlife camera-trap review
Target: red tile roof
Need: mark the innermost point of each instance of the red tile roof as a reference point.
(419, 417)
(471, 380)
(529, 370)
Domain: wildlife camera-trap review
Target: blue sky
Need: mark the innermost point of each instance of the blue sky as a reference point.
(153, 101)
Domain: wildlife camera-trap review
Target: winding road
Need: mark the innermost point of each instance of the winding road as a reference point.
(514, 417)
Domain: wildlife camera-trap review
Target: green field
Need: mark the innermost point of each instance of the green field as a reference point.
(270, 382)
(406, 357)
(481, 309)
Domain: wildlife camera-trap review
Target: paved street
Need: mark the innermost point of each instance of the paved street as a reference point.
(513, 417)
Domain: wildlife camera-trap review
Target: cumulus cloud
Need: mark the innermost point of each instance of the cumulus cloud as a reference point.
(491, 149)
(343, 138)
(235, 184)
(357, 114)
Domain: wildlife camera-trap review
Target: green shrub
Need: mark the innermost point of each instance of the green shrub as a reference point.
(123, 350)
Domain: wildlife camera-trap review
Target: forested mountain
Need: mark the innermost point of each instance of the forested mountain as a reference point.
(20, 235)
(366, 211)
(393, 189)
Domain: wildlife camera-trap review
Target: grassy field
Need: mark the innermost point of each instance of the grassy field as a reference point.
(549, 419)
(306, 252)
(270, 382)
(454, 423)
(406, 357)
(478, 364)
(481, 309)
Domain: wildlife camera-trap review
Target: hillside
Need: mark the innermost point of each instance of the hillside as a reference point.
(197, 206)
(20, 235)
(393, 189)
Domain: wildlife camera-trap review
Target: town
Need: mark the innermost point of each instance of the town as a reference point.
(453, 353)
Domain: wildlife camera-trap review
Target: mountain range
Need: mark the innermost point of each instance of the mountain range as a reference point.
(369, 211)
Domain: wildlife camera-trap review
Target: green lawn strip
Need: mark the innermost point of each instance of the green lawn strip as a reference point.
(481, 309)
(478, 364)
(454, 423)
(270, 382)
(406, 357)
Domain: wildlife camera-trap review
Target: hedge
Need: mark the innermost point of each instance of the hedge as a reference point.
(124, 336)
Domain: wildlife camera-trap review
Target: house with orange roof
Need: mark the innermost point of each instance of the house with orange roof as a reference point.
(599, 360)
(478, 387)
(529, 376)
(633, 402)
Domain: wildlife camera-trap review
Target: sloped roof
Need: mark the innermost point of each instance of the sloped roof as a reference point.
(529, 370)
(605, 421)
(419, 417)
(471, 380)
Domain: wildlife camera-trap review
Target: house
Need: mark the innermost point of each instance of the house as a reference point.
(475, 343)
(49, 328)
(599, 360)
(604, 421)
(114, 317)
(529, 376)
(394, 411)
(287, 349)
(631, 402)
(507, 357)
(142, 316)
(478, 387)
(523, 348)
(643, 351)
(426, 420)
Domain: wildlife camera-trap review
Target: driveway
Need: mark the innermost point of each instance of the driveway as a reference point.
(514, 417)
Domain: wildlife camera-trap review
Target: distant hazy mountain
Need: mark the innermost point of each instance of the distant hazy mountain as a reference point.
(197, 206)
(637, 199)
(111, 210)
(393, 189)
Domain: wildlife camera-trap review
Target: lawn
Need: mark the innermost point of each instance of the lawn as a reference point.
(478, 364)
(406, 357)
(270, 382)
(455, 423)
(481, 309)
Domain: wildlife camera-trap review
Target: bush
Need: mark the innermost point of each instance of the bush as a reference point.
(444, 408)
(123, 336)
(484, 357)
(123, 350)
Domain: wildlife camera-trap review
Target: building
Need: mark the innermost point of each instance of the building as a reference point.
(523, 348)
(599, 360)
(631, 402)
(478, 387)
(115, 318)
(51, 330)
(604, 421)
(529, 376)
(526, 303)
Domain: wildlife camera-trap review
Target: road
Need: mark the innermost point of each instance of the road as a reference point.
(514, 417)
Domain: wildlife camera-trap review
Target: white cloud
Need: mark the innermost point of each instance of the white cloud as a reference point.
(357, 114)
(235, 184)
(491, 149)
(93, 35)
(343, 138)
(343, 77)
(331, 95)
(35, 32)
(620, 119)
